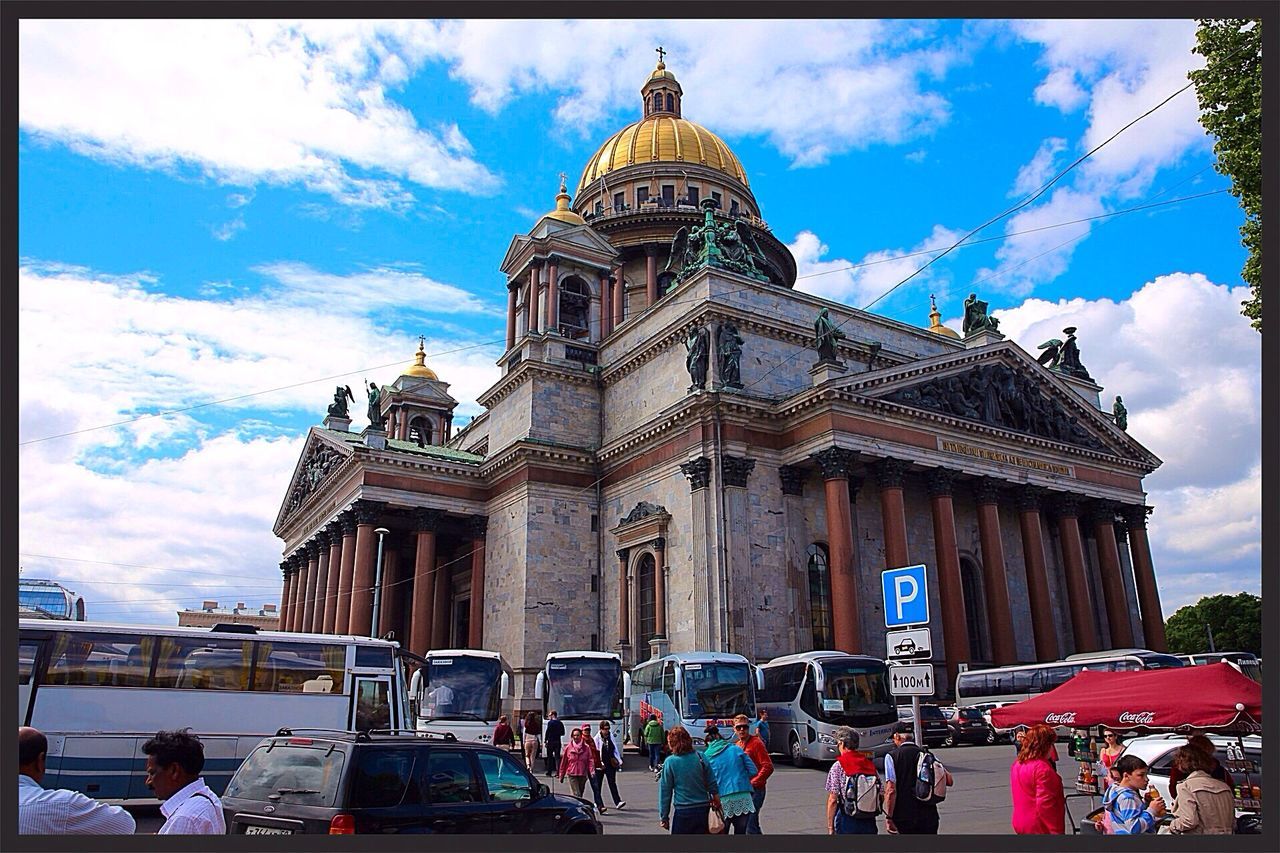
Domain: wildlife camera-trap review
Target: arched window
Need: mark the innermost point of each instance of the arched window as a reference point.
(671, 103)
(974, 611)
(575, 302)
(646, 600)
(420, 431)
(657, 100)
(820, 595)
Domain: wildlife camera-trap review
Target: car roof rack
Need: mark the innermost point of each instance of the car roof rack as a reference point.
(426, 733)
(287, 731)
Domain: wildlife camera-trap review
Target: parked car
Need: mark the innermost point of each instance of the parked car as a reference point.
(933, 725)
(1002, 735)
(968, 726)
(1157, 751)
(308, 781)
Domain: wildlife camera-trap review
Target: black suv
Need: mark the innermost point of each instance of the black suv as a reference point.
(933, 725)
(968, 726)
(311, 781)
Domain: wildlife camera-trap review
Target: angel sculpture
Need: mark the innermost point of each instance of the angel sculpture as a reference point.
(1052, 353)
(748, 239)
(680, 250)
(338, 408)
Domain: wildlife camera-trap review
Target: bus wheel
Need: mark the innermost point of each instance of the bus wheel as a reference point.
(798, 758)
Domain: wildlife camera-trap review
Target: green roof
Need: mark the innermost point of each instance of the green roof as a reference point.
(411, 447)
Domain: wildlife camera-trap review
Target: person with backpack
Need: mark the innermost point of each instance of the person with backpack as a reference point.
(732, 770)
(1039, 805)
(552, 737)
(853, 789)
(654, 735)
(915, 782)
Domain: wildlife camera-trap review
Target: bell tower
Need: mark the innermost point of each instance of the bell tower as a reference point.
(417, 406)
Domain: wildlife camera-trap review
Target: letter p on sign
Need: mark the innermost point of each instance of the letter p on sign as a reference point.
(906, 596)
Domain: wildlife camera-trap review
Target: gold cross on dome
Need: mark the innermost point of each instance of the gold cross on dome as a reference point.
(662, 54)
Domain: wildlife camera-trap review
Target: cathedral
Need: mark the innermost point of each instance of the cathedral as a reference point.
(685, 453)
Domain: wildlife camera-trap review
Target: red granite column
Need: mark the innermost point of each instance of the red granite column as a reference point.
(1104, 534)
(624, 599)
(295, 591)
(531, 301)
(322, 581)
(553, 296)
(1144, 578)
(440, 624)
(619, 297)
(475, 620)
(660, 587)
(348, 568)
(334, 531)
(1082, 623)
(606, 306)
(891, 476)
(994, 573)
(651, 274)
(425, 522)
(365, 569)
(955, 630)
(392, 589)
(309, 591)
(836, 464)
(286, 568)
(511, 314)
(1030, 500)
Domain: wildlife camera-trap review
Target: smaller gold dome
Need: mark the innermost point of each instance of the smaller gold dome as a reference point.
(419, 367)
(935, 322)
(562, 211)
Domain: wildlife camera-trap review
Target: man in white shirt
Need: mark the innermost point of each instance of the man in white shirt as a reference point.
(442, 700)
(59, 811)
(174, 762)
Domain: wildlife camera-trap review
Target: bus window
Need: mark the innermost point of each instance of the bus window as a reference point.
(26, 661)
(99, 660)
(669, 682)
(373, 657)
(300, 668)
(1055, 676)
(200, 663)
(373, 704)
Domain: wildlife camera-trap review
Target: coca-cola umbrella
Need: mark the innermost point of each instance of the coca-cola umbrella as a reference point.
(1211, 697)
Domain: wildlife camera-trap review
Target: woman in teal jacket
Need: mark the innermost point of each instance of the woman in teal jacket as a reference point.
(733, 770)
(687, 783)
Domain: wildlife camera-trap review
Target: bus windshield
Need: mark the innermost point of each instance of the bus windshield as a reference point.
(855, 694)
(585, 688)
(461, 688)
(717, 690)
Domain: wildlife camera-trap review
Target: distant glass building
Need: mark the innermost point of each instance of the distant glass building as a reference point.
(46, 599)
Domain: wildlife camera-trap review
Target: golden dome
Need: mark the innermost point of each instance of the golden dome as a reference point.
(562, 211)
(659, 138)
(935, 322)
(419, 367)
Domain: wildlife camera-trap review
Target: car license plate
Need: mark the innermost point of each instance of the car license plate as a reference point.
(266, 830)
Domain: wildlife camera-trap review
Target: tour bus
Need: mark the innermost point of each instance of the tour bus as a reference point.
(99, 691)
(1246, 663)
(462, 691)
(583, 687)
(810, 694)
(693, 689)
(45, 599)
(1005, 684)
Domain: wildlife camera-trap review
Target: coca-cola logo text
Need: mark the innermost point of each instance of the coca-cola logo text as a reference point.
(1064, 719)
(1141, 718)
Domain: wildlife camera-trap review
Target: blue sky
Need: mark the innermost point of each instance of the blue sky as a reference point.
(211, 210)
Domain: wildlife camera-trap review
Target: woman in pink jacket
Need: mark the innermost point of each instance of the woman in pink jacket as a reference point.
(1039, 805)
(577, 762)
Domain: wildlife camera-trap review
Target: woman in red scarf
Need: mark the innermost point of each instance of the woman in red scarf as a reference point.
(849, 763)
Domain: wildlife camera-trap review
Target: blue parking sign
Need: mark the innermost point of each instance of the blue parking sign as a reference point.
(906, 596)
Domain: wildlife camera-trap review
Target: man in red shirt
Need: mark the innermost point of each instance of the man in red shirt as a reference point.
(759, 753)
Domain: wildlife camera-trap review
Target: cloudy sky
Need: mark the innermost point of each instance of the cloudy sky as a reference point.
(221, 219)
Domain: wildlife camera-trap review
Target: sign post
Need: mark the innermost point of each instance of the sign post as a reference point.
(905, 593)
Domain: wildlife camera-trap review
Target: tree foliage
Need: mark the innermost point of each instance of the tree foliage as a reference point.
(1229, 89)
(1236, 622)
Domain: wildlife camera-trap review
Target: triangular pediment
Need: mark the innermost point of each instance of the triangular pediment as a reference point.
(418, 389)
(552, 235)
(1005, 388)
(321, 456)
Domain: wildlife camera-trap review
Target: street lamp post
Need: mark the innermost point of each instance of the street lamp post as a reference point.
(377, 583)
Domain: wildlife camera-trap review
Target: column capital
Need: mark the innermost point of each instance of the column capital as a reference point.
(623, 554)
(312, 547)
(1067, 504)
(1135, 516)
(940, 482)
(987, 490)
(285, 568)
(891, 473)
(660, 544)
(698, 471)
(477, 526)
(366, 511)
(535, 263)
(322, 537)
(426, 520)
(835, 463)
(736, 469)
(793, 477)
(651, 251)
(347, 518)
(1030, 498)
(1104, 512)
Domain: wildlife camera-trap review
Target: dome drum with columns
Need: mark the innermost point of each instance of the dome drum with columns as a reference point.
(619, 491)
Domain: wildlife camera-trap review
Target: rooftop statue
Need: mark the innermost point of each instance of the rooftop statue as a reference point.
(1052, 353)
(730, 356)
(825, 337)
(1070, 363)
(698, 357)
(376, 421)
(976, 317)
(338, 408)
(1121, 413)
(727, 245)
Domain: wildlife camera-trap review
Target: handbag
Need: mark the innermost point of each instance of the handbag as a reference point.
(715, 818)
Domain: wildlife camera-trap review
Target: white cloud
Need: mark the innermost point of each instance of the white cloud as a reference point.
(1189, 369)
(227, 230)
(245, 102)
(1041, 168)
(858, 283)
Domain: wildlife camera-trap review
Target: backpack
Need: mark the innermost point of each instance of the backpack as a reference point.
(931, 778)
(861, 796)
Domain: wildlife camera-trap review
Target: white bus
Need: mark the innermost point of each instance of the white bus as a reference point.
(1005, 684)
(693, 689)
(809, 695)
(583, 687)
(462, 691)
(1246, 663)
(99, 691)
